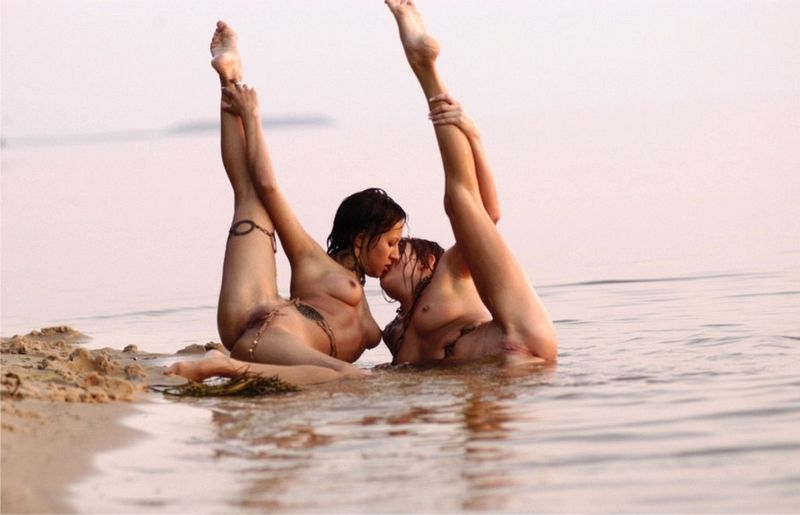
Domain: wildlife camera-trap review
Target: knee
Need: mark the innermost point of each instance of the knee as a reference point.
(544, 344)
(541, 342)
(227, 336)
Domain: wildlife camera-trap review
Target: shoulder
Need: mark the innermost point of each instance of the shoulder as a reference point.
(322, 273)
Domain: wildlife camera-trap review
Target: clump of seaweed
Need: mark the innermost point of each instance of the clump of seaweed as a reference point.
(244, 385)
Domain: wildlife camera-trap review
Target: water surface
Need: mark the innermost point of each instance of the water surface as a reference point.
(673, 394)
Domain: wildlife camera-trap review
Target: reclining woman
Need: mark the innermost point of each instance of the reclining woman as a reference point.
(472, 301)
(326, 325)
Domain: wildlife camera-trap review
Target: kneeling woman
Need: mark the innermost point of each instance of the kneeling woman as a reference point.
(474, 300)
(326, 324)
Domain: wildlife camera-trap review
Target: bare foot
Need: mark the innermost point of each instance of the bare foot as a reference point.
(225, 54)
(420, 47)
(214, 363)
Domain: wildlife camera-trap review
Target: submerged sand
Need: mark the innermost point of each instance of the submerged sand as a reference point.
(60, 404)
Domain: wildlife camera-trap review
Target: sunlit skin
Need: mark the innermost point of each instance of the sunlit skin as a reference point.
(381, 253)
(401, 278)
(215, 363)
(249, 282)
(479, 302)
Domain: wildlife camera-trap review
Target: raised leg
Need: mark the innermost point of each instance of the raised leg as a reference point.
(249, 279)
(499, 278)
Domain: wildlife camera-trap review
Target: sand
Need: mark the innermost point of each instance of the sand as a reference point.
(61, 403)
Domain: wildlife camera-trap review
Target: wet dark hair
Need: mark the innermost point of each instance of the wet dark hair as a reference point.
(422, 250)
(371, 211)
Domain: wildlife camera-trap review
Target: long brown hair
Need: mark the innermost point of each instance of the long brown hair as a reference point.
(422, 250)
(371, 212)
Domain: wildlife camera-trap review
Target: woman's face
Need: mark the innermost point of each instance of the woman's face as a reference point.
(402, 279)
(377, 257)
(396, 282)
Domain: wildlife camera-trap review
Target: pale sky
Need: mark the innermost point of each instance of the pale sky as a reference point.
(84, 66)
(623, 134)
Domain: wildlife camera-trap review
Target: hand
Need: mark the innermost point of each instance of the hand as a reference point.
(448, 111)
(240, 99)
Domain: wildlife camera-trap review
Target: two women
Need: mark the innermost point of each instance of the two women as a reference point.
(470, 302)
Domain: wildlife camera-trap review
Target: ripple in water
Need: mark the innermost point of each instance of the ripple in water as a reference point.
(690, 407)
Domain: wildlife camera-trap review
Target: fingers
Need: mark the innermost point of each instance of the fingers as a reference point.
(443, 97)
(228, 99)
(239, 99)
(231, 99)
(236, 86)
(447, 118)
(442, 108)
(229, 108)
(238, 92)
(229, 93)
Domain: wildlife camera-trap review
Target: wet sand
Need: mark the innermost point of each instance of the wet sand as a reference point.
(61, 403)
(47, 445)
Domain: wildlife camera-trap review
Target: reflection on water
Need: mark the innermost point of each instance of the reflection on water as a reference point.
(671, 396)
(676, 388)
(371, 443)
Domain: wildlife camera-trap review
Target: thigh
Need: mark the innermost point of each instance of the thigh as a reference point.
(490, 340)
(499, 278)
(249, 280)
(282, 343)
(483, 342)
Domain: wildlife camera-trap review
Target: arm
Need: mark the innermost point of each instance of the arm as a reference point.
(449, 111)
(243, 101)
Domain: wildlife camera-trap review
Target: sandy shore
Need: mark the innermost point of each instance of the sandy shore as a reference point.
(61, 404)
(47, 445)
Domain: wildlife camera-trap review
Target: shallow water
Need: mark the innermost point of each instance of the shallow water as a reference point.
(677, 394)
(646, 188)
(676, 388)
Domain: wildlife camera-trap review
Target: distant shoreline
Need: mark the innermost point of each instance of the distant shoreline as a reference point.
(288, 121)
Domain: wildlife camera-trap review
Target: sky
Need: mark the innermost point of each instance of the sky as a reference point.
(83, 66)
(621, 131)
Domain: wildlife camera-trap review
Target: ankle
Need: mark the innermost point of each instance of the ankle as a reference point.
(227, 81)
(421, 65)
